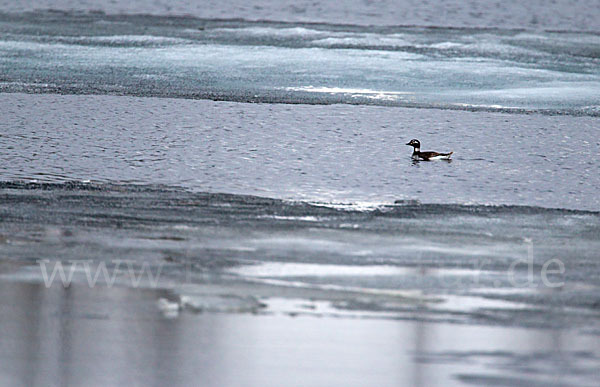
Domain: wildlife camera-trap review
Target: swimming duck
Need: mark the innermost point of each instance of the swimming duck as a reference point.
(426, 156)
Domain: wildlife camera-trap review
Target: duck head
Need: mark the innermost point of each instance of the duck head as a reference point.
(414, 143)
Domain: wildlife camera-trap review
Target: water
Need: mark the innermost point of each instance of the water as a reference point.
(561, 15)
(340, 154)
(241, 173)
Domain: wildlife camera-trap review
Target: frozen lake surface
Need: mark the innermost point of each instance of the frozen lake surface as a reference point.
(469, 69)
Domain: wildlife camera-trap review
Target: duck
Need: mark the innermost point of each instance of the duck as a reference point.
(426, 156)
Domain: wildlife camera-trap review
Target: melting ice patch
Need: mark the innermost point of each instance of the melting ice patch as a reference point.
(364, 40)
(284, 269)
(298, 32)
(355, 93)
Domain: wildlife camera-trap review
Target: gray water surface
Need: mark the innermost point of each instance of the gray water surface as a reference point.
(340, 153)
(117, 336)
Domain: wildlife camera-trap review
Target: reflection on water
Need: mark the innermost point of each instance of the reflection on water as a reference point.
(79, 336)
